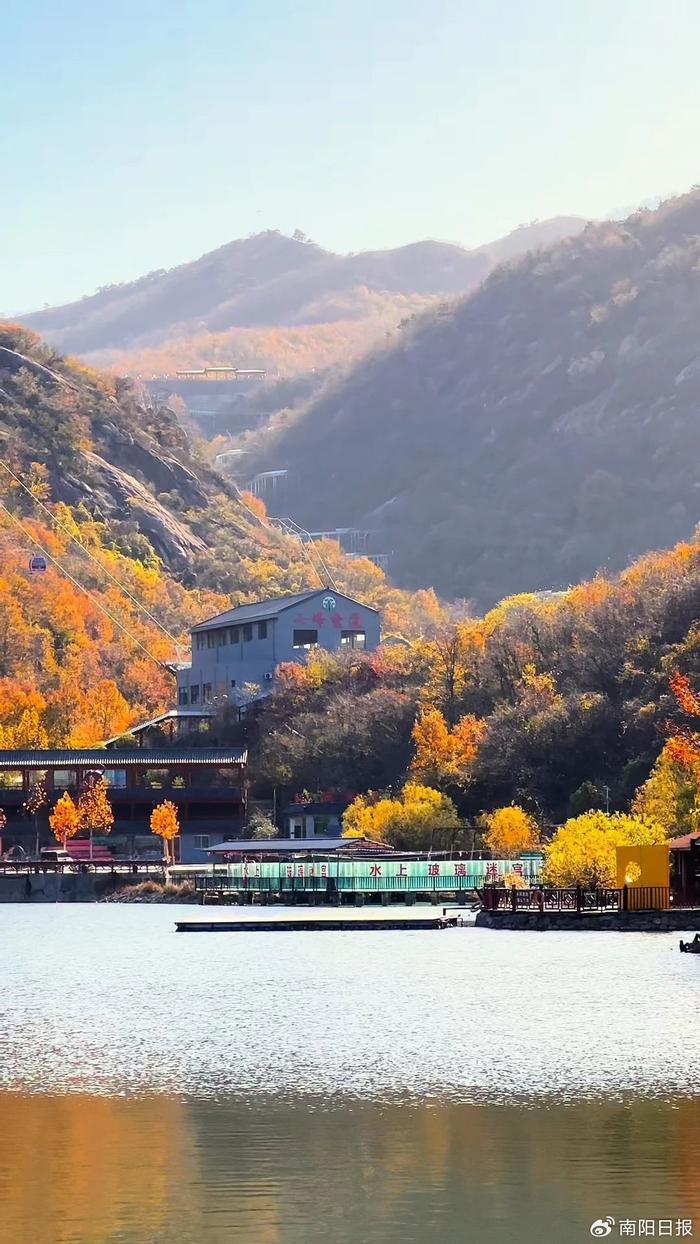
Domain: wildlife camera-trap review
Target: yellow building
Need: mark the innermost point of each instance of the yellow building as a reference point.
(643, 875)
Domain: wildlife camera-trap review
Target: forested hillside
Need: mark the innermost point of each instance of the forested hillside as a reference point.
(267, 281)
(558, 706)
(107, 491)
(544, 427)
(283, 351)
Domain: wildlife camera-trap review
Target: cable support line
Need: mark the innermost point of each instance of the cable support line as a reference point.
(293, 529)
(98, 604)
(329, 577)
(54, 519)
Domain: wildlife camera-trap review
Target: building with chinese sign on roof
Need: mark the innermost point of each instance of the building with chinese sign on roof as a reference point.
(238, 651)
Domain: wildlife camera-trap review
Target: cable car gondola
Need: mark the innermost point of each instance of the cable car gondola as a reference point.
(37, 564)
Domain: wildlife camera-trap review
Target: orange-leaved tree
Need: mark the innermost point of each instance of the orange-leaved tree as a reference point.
(684, 746)
(510, 831)
(94, 808)
(445, 756)
(164, 823)
(65, 819)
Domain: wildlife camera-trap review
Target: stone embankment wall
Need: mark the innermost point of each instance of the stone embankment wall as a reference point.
(53, 887)
(681, 920)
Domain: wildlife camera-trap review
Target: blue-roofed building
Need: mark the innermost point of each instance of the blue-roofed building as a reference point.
(236, 653)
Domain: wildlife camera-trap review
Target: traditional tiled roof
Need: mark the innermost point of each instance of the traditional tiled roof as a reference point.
(98, 758)
(276, 846)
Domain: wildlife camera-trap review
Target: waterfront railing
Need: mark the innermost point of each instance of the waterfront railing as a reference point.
(19, 867)
(578, 898)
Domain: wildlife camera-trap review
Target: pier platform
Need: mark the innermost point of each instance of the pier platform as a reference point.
(318, 921)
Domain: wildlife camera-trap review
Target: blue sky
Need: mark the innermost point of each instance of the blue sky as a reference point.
(141, 135)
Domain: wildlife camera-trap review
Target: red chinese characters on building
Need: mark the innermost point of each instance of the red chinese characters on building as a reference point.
(460, 869)
(337, 620)
(375, 870)
(491, 870)
(433, 870)
(355, 622)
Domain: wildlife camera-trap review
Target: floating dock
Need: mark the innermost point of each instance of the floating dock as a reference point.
(319, 922)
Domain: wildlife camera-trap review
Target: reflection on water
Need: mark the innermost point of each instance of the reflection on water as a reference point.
(363, 1087)
(85, 1170)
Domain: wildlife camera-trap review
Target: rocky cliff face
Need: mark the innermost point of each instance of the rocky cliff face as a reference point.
(116, 495)
(128, 465)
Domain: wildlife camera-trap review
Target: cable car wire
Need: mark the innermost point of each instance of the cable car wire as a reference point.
(79, 585)
(54, 519)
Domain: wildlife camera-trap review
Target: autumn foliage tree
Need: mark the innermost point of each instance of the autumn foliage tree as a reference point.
(671, 794)
(165, 824)
(94, 809)
(582, 852)
(408, 821)
(65, 820)
(684, 746)
(445, 756)
(509, 831)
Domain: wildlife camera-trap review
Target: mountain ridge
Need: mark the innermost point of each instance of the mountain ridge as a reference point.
(270, 279)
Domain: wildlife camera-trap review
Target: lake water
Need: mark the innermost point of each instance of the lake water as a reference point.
(341, 1087)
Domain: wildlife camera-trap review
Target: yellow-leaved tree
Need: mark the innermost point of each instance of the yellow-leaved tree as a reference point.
(165, 824)
(407, 821)
(582, 852)
(509, 831)
(669, 796)
(96, 815)
(65, 819)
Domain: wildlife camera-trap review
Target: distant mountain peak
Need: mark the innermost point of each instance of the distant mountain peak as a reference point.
(269, 279)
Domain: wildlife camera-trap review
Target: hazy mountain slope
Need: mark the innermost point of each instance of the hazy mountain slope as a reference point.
(545, 426)
(270, 280)
(120, 314)
(284, 351)
(535, 236)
